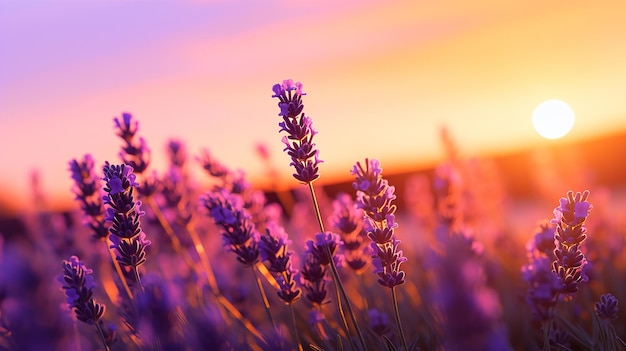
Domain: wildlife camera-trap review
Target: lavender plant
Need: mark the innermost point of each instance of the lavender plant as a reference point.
(127, 237)
(87, 190)
(454, 297)
(375, 197)
(305, 160)
(78, 285)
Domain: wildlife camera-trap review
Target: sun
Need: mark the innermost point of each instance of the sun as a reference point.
(553, 119)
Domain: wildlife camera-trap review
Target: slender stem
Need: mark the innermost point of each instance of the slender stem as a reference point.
(238, 316)
(204, 260)
(102, 338)
(395, 307)
(137, 278)
(170, 232)
(335, 273)
(295, 328)
(77, 337)
(266, 303)
(118, 268)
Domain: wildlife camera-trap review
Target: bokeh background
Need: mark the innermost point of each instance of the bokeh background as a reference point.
(382, 78)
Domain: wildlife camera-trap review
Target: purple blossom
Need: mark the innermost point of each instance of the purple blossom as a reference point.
(375, 197)
(299, 128)
(313, 279)
(87, 190)
(78, 285)
(324, 243)
(570, 217)
(347, 219)
(238, 232)
(379, 322)
(127, 238)
(273, 247)
(606, 308)
(134, 152)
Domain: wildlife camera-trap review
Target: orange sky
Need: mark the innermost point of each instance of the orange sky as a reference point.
(381, 78)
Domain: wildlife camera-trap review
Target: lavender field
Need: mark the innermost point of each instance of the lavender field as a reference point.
(152, 260)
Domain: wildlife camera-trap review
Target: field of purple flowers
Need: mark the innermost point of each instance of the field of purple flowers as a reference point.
(152, 261)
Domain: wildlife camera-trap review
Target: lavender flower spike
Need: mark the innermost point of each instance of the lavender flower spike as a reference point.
(78, 285)
(570, 217)
(127, 237)
(135, 154)
(273, 248)
(607, 308)
(299, 139)
(375, 197)
(87, 190)
(239, 233)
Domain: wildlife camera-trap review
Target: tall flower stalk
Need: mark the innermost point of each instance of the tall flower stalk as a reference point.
(305, 161)
(78, 285)
(239, 233)
(127, 237)
(569, 217)
(87, 189)
(375, 197)
(274, 250)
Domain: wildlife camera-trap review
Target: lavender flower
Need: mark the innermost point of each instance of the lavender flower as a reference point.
(316, 264)
(78, 285)
(570, 217)
(299, 128)
(134, 154)
(313, 279)
(379, 322)
(87, 190)
(543, 284)
(127, 236)
(606, 308)
(239, 233)
(347, 219)
(273, 247)
(375, 197)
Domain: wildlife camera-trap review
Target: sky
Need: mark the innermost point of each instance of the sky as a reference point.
(381, 77)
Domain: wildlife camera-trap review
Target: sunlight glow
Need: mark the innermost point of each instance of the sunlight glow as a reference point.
(553, 119)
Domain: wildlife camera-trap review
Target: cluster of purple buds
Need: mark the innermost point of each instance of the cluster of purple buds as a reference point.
(607, 307)
(127, 237)
(78, 285)
(375, 197)
(347, 220)
(87, 190)
(299, 128)
(135, 154)
(238, 231)
(543, 284)
(273, 247)
(315, 265)
(570, 217)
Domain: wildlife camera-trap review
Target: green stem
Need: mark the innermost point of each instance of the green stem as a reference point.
(395, 307)
(102, 338)
(266, 303)
(338, 285)
(118, 269)
(138, 279)
(295, 328)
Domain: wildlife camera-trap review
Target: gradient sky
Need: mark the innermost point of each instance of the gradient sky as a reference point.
(381, 78)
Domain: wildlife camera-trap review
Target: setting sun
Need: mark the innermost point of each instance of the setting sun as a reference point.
(553, 119)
